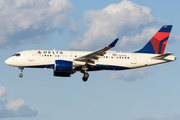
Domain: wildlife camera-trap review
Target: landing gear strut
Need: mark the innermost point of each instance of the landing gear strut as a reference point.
(21, 75)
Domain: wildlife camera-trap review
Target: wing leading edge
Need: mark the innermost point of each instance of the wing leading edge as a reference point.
(94, 56)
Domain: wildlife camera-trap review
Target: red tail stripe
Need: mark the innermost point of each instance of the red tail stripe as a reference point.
(155, 43)
(163, 46)
(161, 35)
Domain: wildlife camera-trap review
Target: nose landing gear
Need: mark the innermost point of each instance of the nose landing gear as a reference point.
(21, 75)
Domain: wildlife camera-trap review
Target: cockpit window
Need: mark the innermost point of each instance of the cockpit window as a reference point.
(18, 54)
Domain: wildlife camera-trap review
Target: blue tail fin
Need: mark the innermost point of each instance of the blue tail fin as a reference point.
(157, 44)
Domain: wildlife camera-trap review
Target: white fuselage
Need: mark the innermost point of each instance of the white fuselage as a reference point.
(65, 63)
(112, 60)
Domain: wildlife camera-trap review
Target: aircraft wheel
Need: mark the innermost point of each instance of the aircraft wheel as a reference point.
(85, 77)
(20, 75)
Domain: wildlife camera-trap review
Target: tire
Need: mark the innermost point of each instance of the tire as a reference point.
(84, 79)
(86, 75)
(20, 75)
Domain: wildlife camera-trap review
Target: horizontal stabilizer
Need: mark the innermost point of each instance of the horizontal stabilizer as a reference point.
(162, 56)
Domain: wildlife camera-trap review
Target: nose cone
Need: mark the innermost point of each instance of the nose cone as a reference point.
(9, 61)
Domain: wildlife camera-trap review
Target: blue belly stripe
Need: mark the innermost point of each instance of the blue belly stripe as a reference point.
(97, 67)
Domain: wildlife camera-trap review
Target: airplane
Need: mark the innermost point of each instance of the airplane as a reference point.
(66, 63)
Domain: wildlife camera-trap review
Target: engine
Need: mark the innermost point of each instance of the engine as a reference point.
(63, 68)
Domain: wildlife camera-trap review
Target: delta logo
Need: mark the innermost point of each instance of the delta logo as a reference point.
(39, 52)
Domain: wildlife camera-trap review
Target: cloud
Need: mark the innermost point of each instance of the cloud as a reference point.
(159, 117)
(4, 91)
(177, 37)
(9, 108)
(31, 21)
(131, 42)
(17, 108)
(125, 20)
(73, 27)
(131, 75)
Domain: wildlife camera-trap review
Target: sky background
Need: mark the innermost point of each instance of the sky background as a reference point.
(150, 93)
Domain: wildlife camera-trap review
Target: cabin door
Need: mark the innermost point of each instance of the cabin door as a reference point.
(133, 59)
(31, 55)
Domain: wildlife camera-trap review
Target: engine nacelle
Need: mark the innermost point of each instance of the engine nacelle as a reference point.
(63, 68)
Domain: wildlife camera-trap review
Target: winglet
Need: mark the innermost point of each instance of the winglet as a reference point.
(113, 43)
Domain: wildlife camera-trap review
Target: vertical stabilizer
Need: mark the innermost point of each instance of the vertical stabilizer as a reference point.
(157, 44)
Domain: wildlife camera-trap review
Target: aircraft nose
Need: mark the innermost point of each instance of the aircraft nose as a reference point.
(9, 61)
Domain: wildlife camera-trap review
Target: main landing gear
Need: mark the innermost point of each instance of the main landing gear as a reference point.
(86, 75)
(21, 74)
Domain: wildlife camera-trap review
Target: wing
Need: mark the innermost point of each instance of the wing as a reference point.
(162, 56)
(94, 56)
